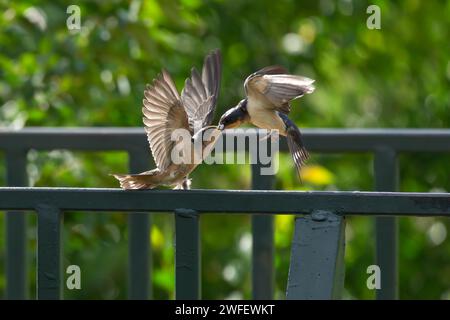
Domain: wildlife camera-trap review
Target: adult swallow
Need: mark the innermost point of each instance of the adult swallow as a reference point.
(269, 92)
(165, 112)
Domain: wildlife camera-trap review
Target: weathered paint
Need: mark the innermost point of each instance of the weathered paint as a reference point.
(317, 257)
(187, 255)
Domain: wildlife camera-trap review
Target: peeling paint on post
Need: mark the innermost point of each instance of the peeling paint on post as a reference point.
(49, 252)
(317, 258)
(187, 255)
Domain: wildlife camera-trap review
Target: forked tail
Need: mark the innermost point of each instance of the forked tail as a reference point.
(295, 143)
(296, 147)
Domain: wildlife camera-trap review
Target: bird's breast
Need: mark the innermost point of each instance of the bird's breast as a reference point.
(264, 117)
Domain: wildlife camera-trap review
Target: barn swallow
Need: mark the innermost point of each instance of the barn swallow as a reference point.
(269, 92)
(164, 112)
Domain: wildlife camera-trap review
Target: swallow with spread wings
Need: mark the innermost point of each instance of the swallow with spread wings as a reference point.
(166, 112)
(269, 92)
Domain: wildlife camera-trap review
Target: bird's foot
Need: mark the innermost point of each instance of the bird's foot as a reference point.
(184, 185)
(270, 135)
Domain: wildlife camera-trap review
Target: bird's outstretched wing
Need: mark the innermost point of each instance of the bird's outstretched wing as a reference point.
(162, 114)
(277, 87)
(200, 92)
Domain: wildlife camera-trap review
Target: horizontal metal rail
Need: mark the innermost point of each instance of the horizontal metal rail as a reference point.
(233, 201)
(323, 140)
(317, 259)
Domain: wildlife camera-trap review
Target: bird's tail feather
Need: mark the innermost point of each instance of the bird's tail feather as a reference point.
(295, 143)
(144, 180)
(296, 147)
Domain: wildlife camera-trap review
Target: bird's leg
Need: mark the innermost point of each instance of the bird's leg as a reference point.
(269, 135)
(186, 184)
(183, 185)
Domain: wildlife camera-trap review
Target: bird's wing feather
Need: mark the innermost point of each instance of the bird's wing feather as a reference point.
(266, 70)
(275, 69)
(277, 88)
(162, 114)
(200, 93)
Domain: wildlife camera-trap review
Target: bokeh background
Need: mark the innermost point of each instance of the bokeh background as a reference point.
(395, 77)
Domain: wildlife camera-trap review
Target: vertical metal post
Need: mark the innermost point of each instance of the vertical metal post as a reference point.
(263, 275)
(386, 228)
(139, 252)
(16, 253)
(317, 258)
(187, 255)
(49, 253)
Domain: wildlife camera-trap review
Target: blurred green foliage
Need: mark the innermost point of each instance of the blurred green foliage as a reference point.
(394, 77)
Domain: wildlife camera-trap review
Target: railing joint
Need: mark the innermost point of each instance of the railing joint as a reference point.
(186, 213)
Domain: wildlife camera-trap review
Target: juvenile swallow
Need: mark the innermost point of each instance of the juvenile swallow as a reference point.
(164, 112)
(269, 92)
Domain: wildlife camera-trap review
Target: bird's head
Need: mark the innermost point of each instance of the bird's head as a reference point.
(234, 117)
(205, 140)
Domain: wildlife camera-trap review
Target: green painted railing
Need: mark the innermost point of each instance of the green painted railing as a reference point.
(309, 277)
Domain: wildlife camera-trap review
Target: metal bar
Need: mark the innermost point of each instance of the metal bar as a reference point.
(16, 253)
(317, 260)
(386, 228)
(231, 201)
(139, 253)
(94, 139)
(323, 140)
(49, 252)
(263, 275)
(187, 255)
